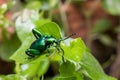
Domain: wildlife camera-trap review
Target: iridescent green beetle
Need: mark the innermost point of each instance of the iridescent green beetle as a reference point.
(42, 43)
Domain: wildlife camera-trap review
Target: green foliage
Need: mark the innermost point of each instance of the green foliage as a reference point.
(37, 68)
(102, 25)
(69, 71)
(4, 22)
(75, 50)
(112, 6)
(34, 5)
(12, 77)
(93, 68)
(41, 4)
(105, 39)
(79, 65)
(7, 48)
(3, 8)
(47, 30)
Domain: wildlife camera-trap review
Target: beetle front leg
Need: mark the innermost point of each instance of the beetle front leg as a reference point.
(60, 49)
(63, 58)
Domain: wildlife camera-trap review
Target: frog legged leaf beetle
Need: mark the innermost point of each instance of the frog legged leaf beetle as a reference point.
(42, 43)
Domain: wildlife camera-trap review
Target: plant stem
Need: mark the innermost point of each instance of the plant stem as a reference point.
(63, 17)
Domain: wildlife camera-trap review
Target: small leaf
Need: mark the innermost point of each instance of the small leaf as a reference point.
(39, 23)
(93, 68)
(34, 5)
(67, 69)
(66, 78)
(105, 39)
(79, 76)
(50, 28)
(102, 25)
(68, 72)
(7, 47)
(75, 50)
(12, 77)
(112, 6)
(20, 56)
(37, 67)
(53, 3)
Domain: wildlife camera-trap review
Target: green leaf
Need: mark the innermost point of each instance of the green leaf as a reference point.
(39, 23)
(93, 68)
(34, 5)
(105, 39)
(37, 67)
(7, 47)
(66, 78)
(12, 77)
(102, 25)
(53, 3)
(75, 50)
(20, 56)
(67, 69)
(79, 76)
(50, 28)
(112, 6)
(68, 72)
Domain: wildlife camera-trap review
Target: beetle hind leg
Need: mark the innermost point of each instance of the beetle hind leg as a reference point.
(32, 52)
(36, 33)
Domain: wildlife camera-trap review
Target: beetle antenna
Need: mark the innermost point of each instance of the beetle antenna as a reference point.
(68, 37)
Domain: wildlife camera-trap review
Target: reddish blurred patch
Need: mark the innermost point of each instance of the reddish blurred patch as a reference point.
(3, 1)
(76, 20)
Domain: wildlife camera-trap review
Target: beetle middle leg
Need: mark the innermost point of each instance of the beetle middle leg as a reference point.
(63, 59)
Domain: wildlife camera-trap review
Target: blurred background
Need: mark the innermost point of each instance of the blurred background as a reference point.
(97, 22)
